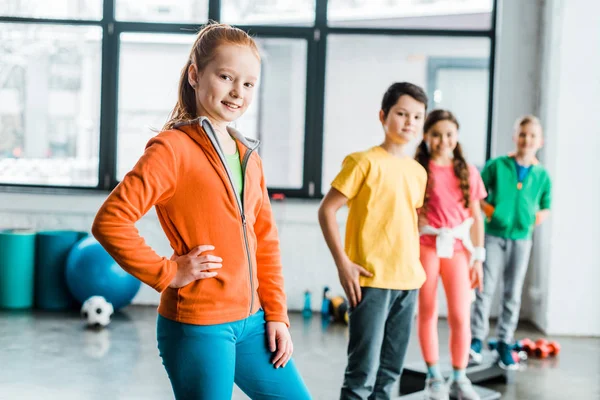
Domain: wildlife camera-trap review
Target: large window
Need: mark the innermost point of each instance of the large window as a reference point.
(147, 89)
(425, 14)
(57, 9)
(84, 84)
(188, 11)
(268, 12)
(276, 117)
(49, 104)
(353, 124)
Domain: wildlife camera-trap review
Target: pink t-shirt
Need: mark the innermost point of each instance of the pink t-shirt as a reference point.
(446, 207)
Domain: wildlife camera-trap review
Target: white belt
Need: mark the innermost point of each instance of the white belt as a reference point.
(445, 238)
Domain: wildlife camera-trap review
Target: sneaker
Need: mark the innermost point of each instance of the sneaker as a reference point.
(463, 390)
(436, 389)
(475, 351)
(506, 360)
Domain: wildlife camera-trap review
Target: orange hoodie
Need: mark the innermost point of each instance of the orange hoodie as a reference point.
(183, 174)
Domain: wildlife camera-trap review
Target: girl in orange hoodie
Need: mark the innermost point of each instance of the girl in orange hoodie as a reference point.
(222, 315)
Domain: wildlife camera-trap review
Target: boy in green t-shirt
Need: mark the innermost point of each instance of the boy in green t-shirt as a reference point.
(519, 196)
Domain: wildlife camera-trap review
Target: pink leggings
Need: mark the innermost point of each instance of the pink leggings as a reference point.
(457, 285)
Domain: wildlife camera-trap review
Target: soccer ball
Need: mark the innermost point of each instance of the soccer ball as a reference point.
(97, 311)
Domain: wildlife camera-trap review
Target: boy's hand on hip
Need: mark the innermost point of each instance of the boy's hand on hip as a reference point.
(349, 273)
(280, 343)
(193, 266)
(476, 275)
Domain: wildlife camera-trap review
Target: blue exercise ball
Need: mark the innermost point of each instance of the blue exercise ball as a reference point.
(91, 271)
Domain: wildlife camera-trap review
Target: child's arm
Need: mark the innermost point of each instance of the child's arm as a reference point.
(487, 208)
(545, 202)
(487, 177)
(477, 237)
(332, 202)
(421, 218)
(541, 216)
(347, 270)
(151, 181)
(477, 229)
(268, 258)
(478, 193)
(270, 282)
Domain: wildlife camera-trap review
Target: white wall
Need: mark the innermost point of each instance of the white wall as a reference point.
(517, 68)
(542, 46)
(516, 93)
(568, 255)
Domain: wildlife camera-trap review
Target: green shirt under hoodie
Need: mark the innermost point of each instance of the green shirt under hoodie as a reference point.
(515, 203)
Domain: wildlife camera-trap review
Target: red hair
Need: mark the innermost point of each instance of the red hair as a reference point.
(203, 51)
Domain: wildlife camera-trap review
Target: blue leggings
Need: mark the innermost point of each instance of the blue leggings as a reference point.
(204, 361)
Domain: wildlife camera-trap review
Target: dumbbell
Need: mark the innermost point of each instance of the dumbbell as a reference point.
(545, 349)
(527, 345)
(555, 347)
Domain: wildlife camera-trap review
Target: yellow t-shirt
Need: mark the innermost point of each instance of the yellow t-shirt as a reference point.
(382, 232)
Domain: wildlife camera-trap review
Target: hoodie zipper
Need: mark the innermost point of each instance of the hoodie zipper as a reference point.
(238, 199)
(244, 164)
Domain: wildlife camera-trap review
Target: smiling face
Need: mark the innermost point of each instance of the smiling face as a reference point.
(404, 120)
(225, 87)
(528, 138)
(442, 138)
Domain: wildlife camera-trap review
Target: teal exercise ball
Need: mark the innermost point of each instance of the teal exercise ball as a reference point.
(91, 271)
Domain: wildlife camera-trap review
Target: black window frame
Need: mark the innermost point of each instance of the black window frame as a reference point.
(316, 37)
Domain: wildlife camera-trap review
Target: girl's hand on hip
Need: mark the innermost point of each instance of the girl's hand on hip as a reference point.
(193, 266)
(280, 342)
(476, 275)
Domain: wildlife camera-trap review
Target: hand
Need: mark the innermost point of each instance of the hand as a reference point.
(280, 343)
(192, 266)
(476, 275)
(349, 273)
(422, 221)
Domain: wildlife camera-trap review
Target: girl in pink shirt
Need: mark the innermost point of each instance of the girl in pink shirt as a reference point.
(452, 234)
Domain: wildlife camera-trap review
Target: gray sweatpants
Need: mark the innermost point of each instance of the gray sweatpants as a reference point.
(380, 328)
(508, 259)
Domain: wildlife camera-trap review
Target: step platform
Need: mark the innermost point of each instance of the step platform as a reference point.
(414, 374)
(484, 393)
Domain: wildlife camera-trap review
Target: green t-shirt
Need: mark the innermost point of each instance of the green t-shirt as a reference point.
(235, 166)
(515, 202)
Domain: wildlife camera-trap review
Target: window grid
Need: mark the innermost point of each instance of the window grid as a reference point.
(316, 37)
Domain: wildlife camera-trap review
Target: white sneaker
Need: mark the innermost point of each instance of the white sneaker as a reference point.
(436, 389)
(463, 390)
(475, 357)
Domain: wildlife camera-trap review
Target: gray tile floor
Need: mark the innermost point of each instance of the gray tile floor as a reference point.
(51, 356)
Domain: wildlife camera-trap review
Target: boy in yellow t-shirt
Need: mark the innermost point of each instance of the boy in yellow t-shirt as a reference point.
(379, 266)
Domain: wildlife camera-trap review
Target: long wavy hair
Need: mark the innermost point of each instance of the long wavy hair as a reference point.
(423, 157)
(203, 51)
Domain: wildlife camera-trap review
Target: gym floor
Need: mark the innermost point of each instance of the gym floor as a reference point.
(51, 356)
